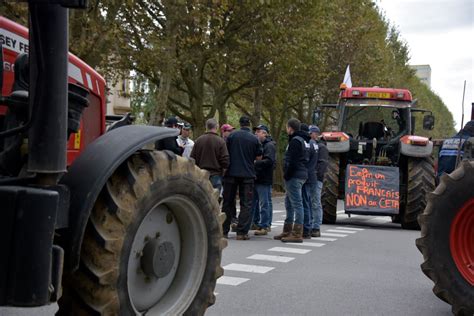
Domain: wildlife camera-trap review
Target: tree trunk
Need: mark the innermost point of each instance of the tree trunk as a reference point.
(158, 112)
(257, 104)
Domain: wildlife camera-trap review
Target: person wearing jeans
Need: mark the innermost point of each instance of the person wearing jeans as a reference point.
(295, 175)
(309, 188)
(262, 207)
(210, 153)
(321, 168)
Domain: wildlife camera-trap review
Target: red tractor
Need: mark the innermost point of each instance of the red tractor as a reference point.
(376, 163)
(447, 235)
(89, 218)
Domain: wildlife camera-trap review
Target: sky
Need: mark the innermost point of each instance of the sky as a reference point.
(439, 33)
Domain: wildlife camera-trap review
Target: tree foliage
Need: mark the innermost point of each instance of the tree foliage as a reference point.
(270, 60)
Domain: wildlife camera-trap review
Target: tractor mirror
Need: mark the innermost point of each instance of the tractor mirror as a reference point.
(1, 69)
(317, 116)
(428, 122)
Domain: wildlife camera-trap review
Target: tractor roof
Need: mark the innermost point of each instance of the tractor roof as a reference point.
(376, 93)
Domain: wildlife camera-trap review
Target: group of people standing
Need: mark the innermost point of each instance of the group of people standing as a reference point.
(242, 162)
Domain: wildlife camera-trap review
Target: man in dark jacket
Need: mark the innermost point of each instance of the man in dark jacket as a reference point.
(321, 168)
(295, 175)
(244, 148)
(262, 202)
(449, 150)
(210, 153)
(170, 143)
(310, 186)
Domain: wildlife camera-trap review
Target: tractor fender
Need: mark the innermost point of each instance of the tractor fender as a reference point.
(90, 171)
(416, 146)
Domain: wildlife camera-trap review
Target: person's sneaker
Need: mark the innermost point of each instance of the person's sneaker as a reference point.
(254, 227)
(233, 227)
(306, 236)
(242, 237)
(269, 229)
(315, 233)
(261, 232)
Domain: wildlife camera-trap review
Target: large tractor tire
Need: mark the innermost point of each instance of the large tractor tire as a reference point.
(420, 181)
(447, 239)
(153, 243)
(330, 191)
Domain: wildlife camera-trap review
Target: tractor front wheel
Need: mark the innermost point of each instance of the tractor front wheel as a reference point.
(420, 180)
(330, 191)
(153, 243)
(447, 239)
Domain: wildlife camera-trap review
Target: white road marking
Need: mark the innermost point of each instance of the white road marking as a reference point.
(350, 228)
(341, 231)
(309, 244)
(215, 293)
(340, 212)
(227, 280)
(274, 226)
(279, 211)
(271, 258)
(279, 221)
(289, 250)
(323, 238)
(247, 268)
(332, 235)
(381, 219)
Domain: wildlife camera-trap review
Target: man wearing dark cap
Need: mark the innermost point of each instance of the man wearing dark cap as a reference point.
(321, 168)
(170, 143)
(262, 207)
(244, 148)
(310, 186)
(448, 154)
(295, 175)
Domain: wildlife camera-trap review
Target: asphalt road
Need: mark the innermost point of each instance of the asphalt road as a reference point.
(363, 265)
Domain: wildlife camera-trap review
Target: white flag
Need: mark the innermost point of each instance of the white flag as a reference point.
(347, 78)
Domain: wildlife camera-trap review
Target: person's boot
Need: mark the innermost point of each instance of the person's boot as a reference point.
(287, 228)
(296, 234)
(306, 235)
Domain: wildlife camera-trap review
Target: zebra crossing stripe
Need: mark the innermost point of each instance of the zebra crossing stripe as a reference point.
(350, 228)
(227, 280)
(247, 268)
(271, 258)
(290, 250)
(341, 231)
(309, 244)
(323, 238)
(332, 235)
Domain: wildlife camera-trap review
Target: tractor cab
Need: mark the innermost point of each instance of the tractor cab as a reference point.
(370, 131)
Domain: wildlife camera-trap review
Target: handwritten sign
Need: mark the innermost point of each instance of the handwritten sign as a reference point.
(372, 190)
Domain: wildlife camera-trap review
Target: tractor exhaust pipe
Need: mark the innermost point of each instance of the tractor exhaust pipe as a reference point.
(48, 91)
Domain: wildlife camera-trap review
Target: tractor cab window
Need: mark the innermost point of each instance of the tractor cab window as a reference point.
(380, 122)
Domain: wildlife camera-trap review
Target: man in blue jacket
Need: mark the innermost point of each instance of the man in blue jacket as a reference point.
(311, 184)
(449, 150)
(244, 148)
(262, 207)
(295, 175)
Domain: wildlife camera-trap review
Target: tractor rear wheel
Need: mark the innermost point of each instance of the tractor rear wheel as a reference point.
(447, 239)
(153, 243)
(330, 190)
(420, 181)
